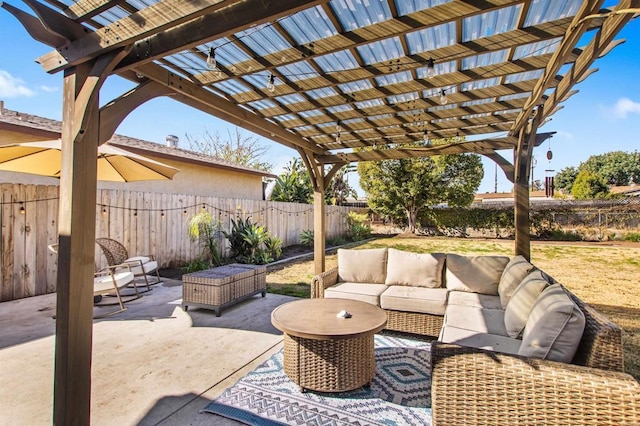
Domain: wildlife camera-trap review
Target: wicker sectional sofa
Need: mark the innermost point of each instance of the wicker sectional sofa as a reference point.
(512, 345)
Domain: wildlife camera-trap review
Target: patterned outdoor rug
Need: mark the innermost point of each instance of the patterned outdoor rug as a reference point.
(399, 395)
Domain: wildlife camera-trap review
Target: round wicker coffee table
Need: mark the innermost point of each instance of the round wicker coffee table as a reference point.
(325, 353)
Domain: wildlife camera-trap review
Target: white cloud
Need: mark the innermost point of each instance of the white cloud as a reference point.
(566, 135)
(13, 87)
(48, 89)
(624, 107)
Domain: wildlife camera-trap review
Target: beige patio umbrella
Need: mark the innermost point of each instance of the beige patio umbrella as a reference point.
(114, 164)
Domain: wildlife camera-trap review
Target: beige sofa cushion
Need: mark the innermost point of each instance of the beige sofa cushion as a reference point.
(414, 269)
(414, 299)
(476, 319)
(513, 274)
(364, 292)
(362, 266)
(524, 297)
(475, 274)
(474, 339)
(474, 300)
(554, 328)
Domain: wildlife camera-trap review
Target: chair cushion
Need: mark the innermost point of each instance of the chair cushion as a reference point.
(475, 274)
(414, 299)
(104, 283)
(513, 274)
(146, 268)
(476, 319)
(362, 266)
(414, 269)
(554, 328)
(474, 339)
(143, 259)
(364, 292)
(474, 300)
(524, 297)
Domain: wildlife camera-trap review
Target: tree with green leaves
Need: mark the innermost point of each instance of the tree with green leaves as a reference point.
(616, 168)
(237, 148)
(588, 186)
(294, 185)
(402, 189)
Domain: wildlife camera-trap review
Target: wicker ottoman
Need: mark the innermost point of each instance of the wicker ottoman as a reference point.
(220, 287)
(325, 353)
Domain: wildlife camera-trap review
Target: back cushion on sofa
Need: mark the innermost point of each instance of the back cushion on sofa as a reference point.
(513, 274)
(554, 328)
(414, 269)
(362, 266)
(475, 274)
(524, 297)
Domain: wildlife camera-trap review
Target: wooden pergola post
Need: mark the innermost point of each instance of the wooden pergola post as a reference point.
(523, 155)
(319, 229)
(76, 229)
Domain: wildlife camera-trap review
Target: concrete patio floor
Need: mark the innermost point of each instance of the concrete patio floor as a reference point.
(153, 364)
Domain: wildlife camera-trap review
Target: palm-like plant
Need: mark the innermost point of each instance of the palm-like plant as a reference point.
(206, 230)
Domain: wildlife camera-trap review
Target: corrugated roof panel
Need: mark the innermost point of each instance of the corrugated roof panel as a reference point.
(380, 117)
(304, 128)
(431, 38)
(369, 104)
(309, 25)
(298, 71)
(339, 108)
(523, 76)
(485, 59)
(480, 84)
(487, 24)
(442, 107)
(381, 51)
(232, 87)
(110, 16)
(328, 124)
(405, 97)
(439, 67)
(534, 49)
(141, 4)
(549, 10)
(436, 91)
(338, 61)
(310, 113)
(285, 117)
(323, 92)
(291, 99)
(353, 120)
(399, 77)
(468, 116)
(514, 96)
(409, 6)
(262, 104)
(477, 102)
(507, 111)
(355, 86)
(263, 40)
(189, 61)
(354, 14)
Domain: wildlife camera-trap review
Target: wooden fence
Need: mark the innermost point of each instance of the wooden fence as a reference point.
(145, 222)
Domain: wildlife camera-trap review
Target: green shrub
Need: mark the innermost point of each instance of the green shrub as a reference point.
(206, 230)
(359, 232)
(196, 265)
(336, 241)
(273, 246)
(632, 236)
(306, 237)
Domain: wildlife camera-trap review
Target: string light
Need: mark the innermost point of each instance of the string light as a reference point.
(104, 211)
(338, 127)
(135, 213)
(22, 210)
(271, 84)
(212, 64)
(431, 69)
(162, 214)
(425, 138)
(184, 212)
(443, 98)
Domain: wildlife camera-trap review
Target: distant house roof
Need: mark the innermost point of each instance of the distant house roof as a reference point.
(41, 127)
(504, 196)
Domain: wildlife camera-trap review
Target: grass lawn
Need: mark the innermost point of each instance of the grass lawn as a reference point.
(605, 276)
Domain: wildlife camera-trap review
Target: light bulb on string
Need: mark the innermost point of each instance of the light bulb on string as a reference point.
(431, 69)
(212, 64)
(425, 138)
(271, 84)
(443, 98)
(338, 127)
(22, 209)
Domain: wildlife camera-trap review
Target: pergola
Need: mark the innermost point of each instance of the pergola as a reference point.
(340, 81)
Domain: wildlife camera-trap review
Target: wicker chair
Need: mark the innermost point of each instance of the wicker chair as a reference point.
(141, 266)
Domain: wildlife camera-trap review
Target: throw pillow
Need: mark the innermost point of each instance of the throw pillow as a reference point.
(554, 328)
(513, 274)
(524, 297)
(362, 266)
(475, 274)
(414, 269)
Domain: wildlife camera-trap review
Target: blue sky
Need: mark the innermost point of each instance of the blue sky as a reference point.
(604, 116)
